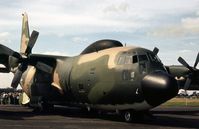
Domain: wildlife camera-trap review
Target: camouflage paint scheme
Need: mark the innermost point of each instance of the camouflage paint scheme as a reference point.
(99, 79)
(25, 34)
(95, 80)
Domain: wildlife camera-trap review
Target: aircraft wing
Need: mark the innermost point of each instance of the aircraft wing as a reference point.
(45, 63)
(178, 70)
(47, 59)
(11, 59)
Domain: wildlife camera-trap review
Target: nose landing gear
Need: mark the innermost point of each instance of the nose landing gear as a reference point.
(128, 116)
(131, 116)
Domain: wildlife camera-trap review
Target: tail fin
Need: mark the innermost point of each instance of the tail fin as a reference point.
(25, 34)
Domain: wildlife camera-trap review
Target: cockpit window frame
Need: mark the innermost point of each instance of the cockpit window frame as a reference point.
(155, 58)
(132, 58)
(121, 60)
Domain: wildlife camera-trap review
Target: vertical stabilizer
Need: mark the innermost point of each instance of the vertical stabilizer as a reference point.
(25, 34)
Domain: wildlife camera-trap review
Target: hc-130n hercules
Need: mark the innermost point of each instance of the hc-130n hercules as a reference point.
(105, 76)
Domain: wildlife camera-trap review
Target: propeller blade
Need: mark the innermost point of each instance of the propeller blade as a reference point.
(187, 84)
(197, 60)
(16, 79)
(155, 50)
(183, 62)
(32, 41)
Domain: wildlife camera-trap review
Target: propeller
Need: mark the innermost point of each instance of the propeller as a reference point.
(24, 60)
(183, 62)
(193, 71)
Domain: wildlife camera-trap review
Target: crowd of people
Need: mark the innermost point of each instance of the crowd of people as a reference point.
(9, 98)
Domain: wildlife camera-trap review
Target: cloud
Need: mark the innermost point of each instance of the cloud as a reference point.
(79, 39)
(6, 79)
(113, 8)
(5, 38)
(55, 53)
(4, 34)
(184, 51)
(187, 26)
(103, 16)
(168, 31)
(191, 24)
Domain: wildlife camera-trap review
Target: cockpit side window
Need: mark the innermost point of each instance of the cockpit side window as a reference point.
(142, 58)
(135, 59)
(121, 60)
(124, 59)
(128, 60)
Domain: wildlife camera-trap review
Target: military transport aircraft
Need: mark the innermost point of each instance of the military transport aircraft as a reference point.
(105, 76)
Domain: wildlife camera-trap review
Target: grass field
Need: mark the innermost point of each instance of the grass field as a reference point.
(182, 102)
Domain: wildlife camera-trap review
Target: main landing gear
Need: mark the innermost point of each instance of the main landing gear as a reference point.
(40, 105)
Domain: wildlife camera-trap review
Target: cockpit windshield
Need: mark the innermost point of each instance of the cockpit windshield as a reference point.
(139, 58)
(142, 58)
(153, 57)
(131, 59)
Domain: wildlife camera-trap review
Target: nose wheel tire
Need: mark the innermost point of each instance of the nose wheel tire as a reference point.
(128, 116)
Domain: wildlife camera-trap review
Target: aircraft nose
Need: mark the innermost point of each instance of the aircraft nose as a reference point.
(159, 87)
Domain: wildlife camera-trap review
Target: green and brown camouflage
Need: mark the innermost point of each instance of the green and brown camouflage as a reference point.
(28, 79)
(106, 75)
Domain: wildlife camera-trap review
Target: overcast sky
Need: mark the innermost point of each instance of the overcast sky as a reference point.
(68, 26)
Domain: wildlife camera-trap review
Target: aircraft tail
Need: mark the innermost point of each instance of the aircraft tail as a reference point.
(11, 61)
(25, 34)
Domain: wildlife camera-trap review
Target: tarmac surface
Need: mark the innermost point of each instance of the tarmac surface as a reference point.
(17, 117)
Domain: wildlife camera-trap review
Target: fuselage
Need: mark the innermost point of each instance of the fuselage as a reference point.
(107, 79)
